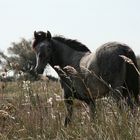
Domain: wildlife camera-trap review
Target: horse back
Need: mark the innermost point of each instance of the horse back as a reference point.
(107, 64)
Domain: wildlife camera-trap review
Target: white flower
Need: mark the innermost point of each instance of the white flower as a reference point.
(57, 97)
(50, 101)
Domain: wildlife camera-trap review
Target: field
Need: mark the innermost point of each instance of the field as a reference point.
(36, 111)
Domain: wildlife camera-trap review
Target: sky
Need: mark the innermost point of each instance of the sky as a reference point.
(92, 22)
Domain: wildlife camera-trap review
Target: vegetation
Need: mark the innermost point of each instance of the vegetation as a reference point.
(20, 59)
(35, 110)
(21, 56)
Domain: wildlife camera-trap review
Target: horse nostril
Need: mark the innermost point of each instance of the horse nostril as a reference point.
(39, 70)
(35, 70)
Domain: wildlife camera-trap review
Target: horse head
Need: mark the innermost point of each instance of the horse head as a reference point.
(42, 48)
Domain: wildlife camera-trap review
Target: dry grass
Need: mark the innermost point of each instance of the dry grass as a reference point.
(36, 111)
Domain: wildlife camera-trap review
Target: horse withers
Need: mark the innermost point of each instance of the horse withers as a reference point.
(95, 74)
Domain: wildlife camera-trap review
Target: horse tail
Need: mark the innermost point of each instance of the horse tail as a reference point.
(132, 77)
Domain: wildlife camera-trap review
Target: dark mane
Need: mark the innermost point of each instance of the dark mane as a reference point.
(74, 44)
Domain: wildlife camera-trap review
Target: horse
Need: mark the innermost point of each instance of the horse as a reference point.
(87, 75)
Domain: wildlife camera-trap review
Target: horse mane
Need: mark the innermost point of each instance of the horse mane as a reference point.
(74, 44)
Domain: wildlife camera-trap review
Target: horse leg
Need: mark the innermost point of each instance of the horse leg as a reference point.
(118, 97)
(92, 110)
(66, 84)
(129, 99)
(69, 107)
(127, 95)
(68, 96)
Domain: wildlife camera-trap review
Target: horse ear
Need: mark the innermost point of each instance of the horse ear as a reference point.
(49, 36)
(35, 34)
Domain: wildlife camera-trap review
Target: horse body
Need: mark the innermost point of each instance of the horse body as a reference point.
(96, 73)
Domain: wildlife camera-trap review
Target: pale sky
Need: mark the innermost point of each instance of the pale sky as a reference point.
(93, 22)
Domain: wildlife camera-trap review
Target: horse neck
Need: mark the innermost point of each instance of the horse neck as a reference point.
(63, 55)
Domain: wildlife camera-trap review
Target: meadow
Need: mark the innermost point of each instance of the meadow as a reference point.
(36, 111)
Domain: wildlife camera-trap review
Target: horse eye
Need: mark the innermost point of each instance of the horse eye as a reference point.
(41, 55)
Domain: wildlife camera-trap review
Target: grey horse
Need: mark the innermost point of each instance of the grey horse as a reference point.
(85, 75)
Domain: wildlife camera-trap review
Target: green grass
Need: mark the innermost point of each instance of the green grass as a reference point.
(36, 111)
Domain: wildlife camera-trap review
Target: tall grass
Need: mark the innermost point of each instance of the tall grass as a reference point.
(36, 111)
